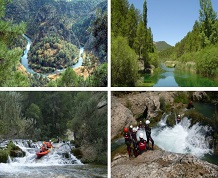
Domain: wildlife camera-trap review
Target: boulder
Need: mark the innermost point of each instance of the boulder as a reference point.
(121, 117)
(140, 100)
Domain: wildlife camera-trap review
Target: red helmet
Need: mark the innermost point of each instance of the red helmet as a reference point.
(191, 102)
(125, 129)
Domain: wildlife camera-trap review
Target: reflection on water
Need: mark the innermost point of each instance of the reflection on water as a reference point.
(170, 77)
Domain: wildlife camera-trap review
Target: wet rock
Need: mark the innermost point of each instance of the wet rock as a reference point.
(162, 164)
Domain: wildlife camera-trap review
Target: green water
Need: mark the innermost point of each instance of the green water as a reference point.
(170, 77)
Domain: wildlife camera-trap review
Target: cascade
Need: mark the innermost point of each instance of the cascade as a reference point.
(182, 138)
(55, 157)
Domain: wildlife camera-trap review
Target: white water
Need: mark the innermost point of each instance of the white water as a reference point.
(182, 138)
(54, 158)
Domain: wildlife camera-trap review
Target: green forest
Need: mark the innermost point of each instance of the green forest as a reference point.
(54, 43)
(46, 115)
(198, 49)
(134, 54)
(132, 43)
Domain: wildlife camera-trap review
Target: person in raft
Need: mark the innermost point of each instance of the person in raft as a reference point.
(48, 144)
(44, 147)
(141, 144)
(190, 105)
(148, 134)
(127, 138)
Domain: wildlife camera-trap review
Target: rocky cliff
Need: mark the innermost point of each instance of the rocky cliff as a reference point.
(162, 164)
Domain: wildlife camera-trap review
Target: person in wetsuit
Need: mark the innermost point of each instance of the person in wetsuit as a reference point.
(134, 141)
(190, 105)
(141, 144)
(141, 125)
(128, 140)
(148, 134)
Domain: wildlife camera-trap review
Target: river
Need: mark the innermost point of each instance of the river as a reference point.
(24, 60)
(182, 137)
(55, 164)
(171, 77)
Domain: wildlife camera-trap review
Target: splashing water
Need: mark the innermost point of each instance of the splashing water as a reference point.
(182, 138)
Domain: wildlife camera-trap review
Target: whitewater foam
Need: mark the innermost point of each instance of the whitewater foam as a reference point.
(182, 138)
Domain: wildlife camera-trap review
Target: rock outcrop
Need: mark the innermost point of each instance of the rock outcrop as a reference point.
(121, 116)
(162, 164)
(126, 109)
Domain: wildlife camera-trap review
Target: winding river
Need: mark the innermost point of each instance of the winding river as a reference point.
(24, 60)
(171, 77)
(55, 164)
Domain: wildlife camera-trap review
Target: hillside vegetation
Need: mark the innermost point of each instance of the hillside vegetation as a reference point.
(162, 45)
(199, 46)
(50, 25)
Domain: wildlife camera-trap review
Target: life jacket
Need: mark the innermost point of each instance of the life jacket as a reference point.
(43, 148)
(49, 145)
(127, 139)
(142, 145)
(126, 136)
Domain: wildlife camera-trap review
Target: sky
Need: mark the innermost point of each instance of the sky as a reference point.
(171, 20)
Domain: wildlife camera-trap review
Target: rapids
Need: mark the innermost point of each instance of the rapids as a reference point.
(182, 138)
(59, 162)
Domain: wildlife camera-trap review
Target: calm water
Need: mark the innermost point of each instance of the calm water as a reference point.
(170, 77)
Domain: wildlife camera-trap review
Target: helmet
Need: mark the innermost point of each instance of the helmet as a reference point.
(140, 122)
(49, 140)
(125, 129)
(178, 115)
(191, 102)
(141, 135)
(147, 122)
(131, 126)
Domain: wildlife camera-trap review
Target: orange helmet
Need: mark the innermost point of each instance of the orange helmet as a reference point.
(125, 129)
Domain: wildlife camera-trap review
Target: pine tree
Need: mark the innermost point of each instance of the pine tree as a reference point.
(140, 40)
(8, 57)
(119, 10)
(145, 14)
(131, 25)
(207, 20)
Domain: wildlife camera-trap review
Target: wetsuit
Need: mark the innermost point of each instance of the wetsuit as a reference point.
(190, 106)
(127, 138)
(148, 135)
(134, 141)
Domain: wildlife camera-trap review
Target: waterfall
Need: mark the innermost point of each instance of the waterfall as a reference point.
(182, 138)
(57, 155)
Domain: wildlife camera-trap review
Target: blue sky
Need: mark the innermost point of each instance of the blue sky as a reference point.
(171, 20)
